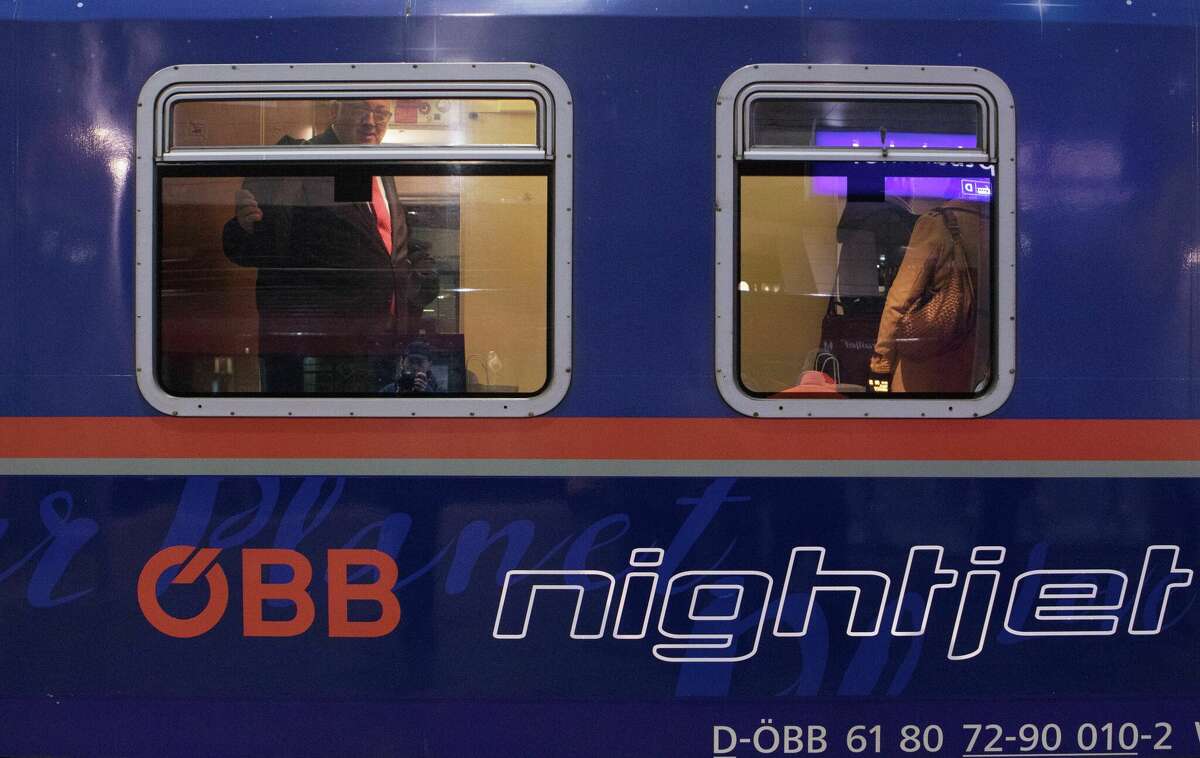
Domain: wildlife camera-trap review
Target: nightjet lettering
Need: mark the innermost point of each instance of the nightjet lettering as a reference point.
(712, 616)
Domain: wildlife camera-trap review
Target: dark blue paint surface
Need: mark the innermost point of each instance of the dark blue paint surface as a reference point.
(1102, 11)
(512, 730)
(1109, 283)
(8, 195)
(71, 550)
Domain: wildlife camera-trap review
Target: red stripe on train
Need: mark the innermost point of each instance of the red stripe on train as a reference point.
(600, 438)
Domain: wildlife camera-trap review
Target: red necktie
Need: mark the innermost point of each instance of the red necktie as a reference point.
(383, 219)
(383, 225)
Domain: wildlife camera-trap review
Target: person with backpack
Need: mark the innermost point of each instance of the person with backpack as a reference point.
(932, 334)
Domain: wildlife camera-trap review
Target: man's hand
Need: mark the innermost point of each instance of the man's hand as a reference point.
(248, 213)
(420, 382)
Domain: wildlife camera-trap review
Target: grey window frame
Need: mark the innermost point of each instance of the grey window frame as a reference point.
(358, 80)
(848, 81)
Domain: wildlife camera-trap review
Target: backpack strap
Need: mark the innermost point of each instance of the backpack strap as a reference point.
(956, 234)
(951, 223)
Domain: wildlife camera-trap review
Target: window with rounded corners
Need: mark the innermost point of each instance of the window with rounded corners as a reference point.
(354, 240)
(865, 241)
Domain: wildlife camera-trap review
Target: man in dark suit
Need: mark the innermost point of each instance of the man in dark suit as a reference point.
(340, 284)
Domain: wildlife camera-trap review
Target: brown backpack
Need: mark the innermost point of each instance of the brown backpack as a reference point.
(944, 314)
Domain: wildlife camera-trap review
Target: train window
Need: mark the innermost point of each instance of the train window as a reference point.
(378, 240)
(865, 241)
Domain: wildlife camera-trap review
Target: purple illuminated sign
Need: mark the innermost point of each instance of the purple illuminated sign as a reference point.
(897, 140)
(972, 189)
(829, 185)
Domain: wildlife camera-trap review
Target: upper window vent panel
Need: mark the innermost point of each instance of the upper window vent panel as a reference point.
(202, 121)
(865, 123)
(780, 120)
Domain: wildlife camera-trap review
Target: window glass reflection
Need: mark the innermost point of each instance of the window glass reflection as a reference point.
(427, 122)
(319, 282)
(934, 125)
(865, 280)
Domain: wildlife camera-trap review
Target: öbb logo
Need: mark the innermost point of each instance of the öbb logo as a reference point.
(201, 564)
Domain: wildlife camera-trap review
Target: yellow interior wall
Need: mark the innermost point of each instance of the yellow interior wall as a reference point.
(201, 123)
(465, 122)
(225, 323)
(503, 241)
(503, 128)
(503, 122)
(504, 223)
(789, 242)
(197, 215)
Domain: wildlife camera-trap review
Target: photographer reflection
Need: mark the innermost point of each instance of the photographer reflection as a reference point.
(339, 281)
(415, 373)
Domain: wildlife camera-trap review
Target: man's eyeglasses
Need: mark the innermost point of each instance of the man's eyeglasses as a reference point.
(380, 115)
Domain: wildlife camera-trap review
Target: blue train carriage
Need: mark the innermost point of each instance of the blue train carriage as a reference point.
(511, 378)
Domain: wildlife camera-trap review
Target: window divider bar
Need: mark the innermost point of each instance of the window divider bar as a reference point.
(867, 154)
(352, 153)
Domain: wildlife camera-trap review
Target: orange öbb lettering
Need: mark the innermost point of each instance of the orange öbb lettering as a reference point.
(295, 590)
(342, 591)
(194, 567)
